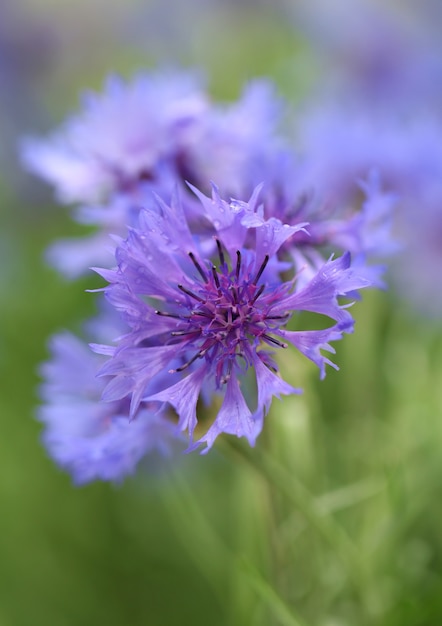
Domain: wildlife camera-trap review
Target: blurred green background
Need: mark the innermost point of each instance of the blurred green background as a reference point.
(334, 519)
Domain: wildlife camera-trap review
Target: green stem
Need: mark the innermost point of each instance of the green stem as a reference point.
(280, 609)
(183, 504)
(296, 493)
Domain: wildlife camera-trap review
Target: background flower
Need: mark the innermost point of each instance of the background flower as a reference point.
(89, 438)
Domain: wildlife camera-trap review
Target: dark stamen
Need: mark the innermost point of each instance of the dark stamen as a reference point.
(257, 294)
(275, 341)
(190, 293)
(261, 269)
(198, 355)
(180, 333)
(165, 314)
(234, 292)
(215, 277)
(198, 267)
(220, 252)
(238, 263)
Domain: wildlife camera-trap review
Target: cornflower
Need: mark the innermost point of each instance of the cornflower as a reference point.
(205, 311)
(91, 439)
(131, 132)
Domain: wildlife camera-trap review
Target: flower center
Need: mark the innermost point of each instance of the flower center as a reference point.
(227, 313)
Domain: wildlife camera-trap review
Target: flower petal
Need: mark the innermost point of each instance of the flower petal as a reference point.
(335, 278)
(311, 342)
(183, 396)
(234, 417)
(269, 384)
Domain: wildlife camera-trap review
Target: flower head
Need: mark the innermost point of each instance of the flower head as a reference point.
(222, 310)
(89, 438)
(126, 134)
(360, 223)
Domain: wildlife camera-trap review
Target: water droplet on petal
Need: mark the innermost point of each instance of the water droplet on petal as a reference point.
(236, 206)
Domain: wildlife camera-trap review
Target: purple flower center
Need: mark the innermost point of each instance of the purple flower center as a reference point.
(226, 315)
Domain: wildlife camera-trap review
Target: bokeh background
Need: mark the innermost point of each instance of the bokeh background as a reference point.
(339, 521)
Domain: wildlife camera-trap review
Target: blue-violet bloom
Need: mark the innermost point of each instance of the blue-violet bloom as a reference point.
(205, 312)
(120, 136)
(89, 438)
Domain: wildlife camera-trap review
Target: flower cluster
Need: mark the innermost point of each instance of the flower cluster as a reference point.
(381, 109)
(217, 244)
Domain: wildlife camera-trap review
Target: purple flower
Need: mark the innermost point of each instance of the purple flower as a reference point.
(154, 127)
(153, 133)
(417, 270)
(407, 154)
(237, 140)
(343, 146)
(335, 224)
(89, 438)
(120, 137)
(204, 312)
(376, 52)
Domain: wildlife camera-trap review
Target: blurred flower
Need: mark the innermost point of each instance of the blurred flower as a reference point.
(341, 146)
(158, 128)
(417, 272)
(381, 53)
(89, 438)
(121, 136)
(222, 310)
(378, 109)
(359, 221)
(239, 139)
(153, 133)
(171, 133)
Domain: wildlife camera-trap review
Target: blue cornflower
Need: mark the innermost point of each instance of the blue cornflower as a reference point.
(336, 225)
(153, 132)
(152, 127)
(237, 139)
(128, 133)
(89, 438)
(407, 153)
(204, 312)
